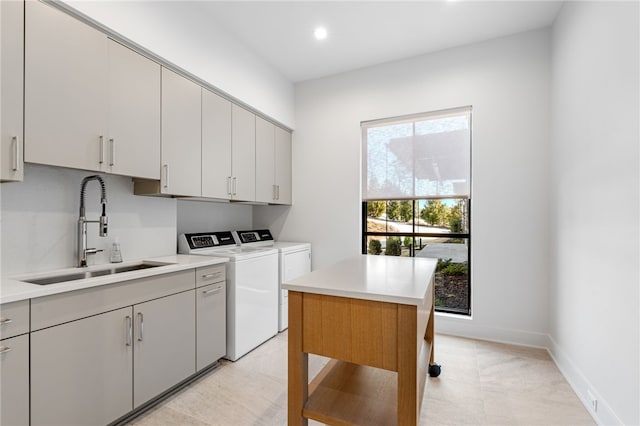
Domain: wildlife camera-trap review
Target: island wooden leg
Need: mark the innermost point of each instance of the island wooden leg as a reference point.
(408, 404)
(430, 336)
(298, 364)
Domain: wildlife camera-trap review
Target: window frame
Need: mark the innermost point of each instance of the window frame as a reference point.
(467, 235)
(365, 234)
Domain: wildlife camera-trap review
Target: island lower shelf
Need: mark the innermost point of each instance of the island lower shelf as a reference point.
(348, 393)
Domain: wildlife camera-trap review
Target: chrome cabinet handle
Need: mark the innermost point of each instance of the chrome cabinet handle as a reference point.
(4, 321)
(235, 186)
(140, 327)
(166, 175)
(112, 152)
(212, 291)
(215, 274)
(277, 192)
(129, 331)
(101, 149)
(16, 153)
(229, 185)
(4, 349)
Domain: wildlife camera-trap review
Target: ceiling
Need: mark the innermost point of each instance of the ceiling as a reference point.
(365, 33)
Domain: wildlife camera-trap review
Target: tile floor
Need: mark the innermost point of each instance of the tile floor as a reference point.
(482, 383)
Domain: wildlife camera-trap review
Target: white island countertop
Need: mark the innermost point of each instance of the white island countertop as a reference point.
(14, 288)
(403, 280)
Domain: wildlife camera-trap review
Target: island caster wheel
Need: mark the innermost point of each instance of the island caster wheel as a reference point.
(434, 370)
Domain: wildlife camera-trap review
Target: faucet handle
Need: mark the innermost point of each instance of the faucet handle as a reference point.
(93, 250)
(103, 226)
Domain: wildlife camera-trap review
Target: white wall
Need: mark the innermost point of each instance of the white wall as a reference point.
(40, 214)
(595, 327)
(507, 82)
(191, 39)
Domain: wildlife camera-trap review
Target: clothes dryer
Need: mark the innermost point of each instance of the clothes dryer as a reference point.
(294, 260)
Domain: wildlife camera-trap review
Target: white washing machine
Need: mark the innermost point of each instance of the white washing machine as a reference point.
(252, 288)
(294, 260)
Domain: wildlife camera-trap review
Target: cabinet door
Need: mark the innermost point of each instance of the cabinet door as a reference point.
(211, 341)
(181, 135)
(216, 146)
(243, 151)
(14, 381)
(133, 145)
(11, 61)
(164, 344)
(65, 89)
(81, 371)
(265, 161)
(283, 167)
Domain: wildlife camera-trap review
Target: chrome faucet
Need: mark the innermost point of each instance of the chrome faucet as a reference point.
(83, 251)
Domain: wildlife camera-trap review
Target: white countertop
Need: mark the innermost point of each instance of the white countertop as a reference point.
(12, 289)
(392, 279)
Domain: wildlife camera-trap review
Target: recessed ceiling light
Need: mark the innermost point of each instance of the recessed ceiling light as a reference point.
(320, 33)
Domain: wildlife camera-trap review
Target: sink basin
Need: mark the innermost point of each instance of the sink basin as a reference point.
(91, 274)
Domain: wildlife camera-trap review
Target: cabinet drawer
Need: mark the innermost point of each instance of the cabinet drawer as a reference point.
(210, 274)
(14, 319)
(59, 308)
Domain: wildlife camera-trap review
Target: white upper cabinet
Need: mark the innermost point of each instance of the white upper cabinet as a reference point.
(11, 52)
(181, 136)
(216, 146)
(65, 90)
(133, 144)
(90, 103)
(283, 166)
(265, 161)
(273, 163)
(243, 154)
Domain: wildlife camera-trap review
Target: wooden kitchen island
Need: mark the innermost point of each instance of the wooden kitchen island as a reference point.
(373, 315)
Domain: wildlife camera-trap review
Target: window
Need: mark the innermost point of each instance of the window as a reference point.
(416, 196)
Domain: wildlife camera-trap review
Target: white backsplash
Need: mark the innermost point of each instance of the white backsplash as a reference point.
(204, 216)
(40, 214)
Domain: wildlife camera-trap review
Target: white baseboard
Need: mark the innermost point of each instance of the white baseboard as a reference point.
(456, 325)
(580, 384)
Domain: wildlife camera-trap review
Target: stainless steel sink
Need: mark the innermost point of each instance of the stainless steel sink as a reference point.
(91, 274)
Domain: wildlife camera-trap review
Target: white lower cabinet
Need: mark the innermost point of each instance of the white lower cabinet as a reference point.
(99, 353)
(14, 381)
(211, 342)
(164, 344)
(14, 363)
(81, 371)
